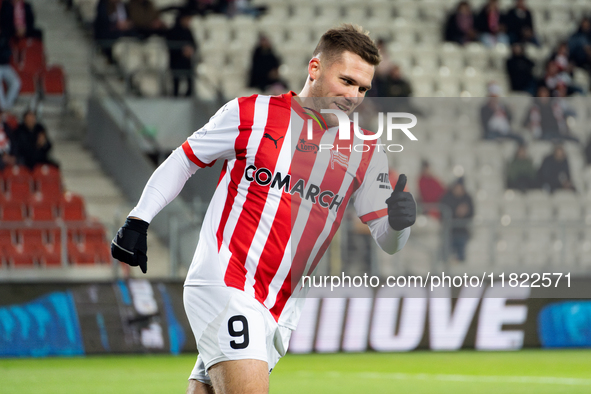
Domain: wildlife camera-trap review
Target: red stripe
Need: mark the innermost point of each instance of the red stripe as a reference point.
(288, 287)
(246, 110)
(274, 249)
(189, 152)
(250, 215)
(314, 226)
(374, 215)
(300, 168)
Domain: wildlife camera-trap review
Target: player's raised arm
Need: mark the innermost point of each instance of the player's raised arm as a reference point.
(214, 140)
(388, 213)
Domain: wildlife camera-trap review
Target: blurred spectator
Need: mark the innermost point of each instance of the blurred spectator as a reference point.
(521, 174)
(277, 85)
(382, 70)
(182, 48)
(265, 65)
(554, 172)
(495, 117)
(204, 7)
(32, 145)
(18, 20)
(430, 189)
(394, 84)
(546, 118)
(460, 25)
(520, 69)
(462, 210)
(8, 76)
(112, 22)
(579, 45)
(145, 17)
(243, 7)
(520, 24)
(558, 79)
(490, 24)
(562, 60)
(7, 157)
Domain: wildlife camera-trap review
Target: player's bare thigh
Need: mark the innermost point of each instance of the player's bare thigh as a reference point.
(240, 377)
(196, 387)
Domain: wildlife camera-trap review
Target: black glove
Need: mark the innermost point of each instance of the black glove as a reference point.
(130, 244)
(402, 209)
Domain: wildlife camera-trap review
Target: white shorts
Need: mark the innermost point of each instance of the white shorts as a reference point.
(229, 324)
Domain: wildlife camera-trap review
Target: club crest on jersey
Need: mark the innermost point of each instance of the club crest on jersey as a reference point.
(339, 158)
(305, 146)
(310, 192)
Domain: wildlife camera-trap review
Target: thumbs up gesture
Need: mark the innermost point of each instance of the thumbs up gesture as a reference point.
(402, 209)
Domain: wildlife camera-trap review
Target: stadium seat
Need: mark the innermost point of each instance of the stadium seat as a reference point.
(425, 59)
(382, 13)
(476, 55)
(216, 30)
(6, 239)
(302, 13)
(32, 57)
(51, 256)
(93, 234)
(53, 82)
(19, 257)
(156, 54)
(31, 238)
(356, 12)
(505, 258)
(12, 211)
(28, 84)
(87, 10)
(330, 11)
(19, 182)
(486, 211)
(41, 209)
(72, 207)
(129, 55)
(48, 181)
(149, 83)
(79, 255)
(515, 209)
(540, 211)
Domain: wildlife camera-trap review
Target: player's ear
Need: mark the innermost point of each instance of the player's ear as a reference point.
(314, 68)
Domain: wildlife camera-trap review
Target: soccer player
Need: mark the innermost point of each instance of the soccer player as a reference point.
(278, 203)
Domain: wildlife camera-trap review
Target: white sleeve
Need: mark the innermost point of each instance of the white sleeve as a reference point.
(217, 138)
(390, 240)
(164, 185)
(370, 198)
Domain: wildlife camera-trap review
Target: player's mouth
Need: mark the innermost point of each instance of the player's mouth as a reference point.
(342, 107)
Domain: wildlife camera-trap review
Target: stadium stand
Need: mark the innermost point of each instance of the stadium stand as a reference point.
(505, 219)
(34, 213)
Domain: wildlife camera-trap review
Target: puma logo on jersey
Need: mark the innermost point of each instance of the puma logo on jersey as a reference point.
(311, 192)
(267, 135)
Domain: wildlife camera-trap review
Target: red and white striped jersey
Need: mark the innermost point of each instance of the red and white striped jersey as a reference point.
(280, 199)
